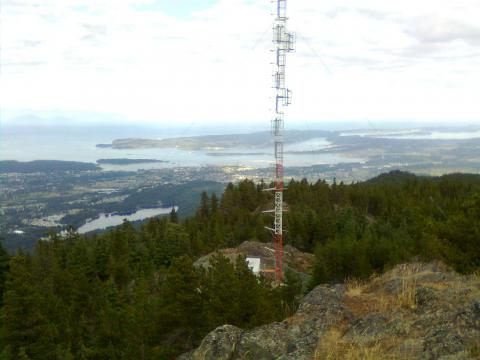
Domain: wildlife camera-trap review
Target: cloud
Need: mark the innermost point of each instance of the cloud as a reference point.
(94, 32)
(22, 64)
(354, 60)
(435, 31)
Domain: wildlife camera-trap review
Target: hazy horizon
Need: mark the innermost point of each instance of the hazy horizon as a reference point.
(28, 119)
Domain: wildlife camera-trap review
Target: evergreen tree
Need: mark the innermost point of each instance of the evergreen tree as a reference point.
(4, 260)
(204, 209)
(221, 305)
(214, 203)
(134, 294)
(26, 330)
(182, 301)
(291, 292)
(173, 216)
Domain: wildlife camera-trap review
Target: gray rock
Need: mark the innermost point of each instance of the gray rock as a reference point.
(442, 341)
(424, 296)
(370, 325)
(220, 344)
(462, 355)
(409, 349)
(265, 342)
(445, 324)
(323, 297)
(469, 316)
(296, 339)
(435, 277)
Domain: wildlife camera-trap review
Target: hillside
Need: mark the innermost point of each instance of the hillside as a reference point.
(414, 311)
(141, 292)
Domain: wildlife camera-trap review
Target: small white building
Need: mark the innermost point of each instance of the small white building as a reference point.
(253, 264)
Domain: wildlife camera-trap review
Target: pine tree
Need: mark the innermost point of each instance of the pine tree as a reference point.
(204, 209)
(291, 292)
(220, 292)
(26, 330)
(256, 304)
(214, 203)
(182, 301)
(173, 216)
(4, 260)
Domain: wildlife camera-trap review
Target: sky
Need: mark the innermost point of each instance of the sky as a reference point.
(178, 61)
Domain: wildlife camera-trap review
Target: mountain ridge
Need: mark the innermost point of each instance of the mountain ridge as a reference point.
(413, 311)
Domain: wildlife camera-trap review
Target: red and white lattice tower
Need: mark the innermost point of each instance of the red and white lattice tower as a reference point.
(284, 42)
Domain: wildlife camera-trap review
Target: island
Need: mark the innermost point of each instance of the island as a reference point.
(219, 142)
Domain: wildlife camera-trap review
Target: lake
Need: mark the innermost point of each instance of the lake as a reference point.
(106, 220)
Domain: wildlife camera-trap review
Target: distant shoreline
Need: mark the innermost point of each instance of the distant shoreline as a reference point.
(254, 140)
(14, 166)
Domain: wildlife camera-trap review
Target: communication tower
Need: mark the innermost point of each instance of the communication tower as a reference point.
(284, 42)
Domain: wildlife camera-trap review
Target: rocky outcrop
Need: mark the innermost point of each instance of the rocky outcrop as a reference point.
(414, 311)
(293, 259)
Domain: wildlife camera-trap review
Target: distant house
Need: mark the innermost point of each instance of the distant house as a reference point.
(253, 263)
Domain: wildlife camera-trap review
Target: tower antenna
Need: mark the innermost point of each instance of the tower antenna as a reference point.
(284, 42)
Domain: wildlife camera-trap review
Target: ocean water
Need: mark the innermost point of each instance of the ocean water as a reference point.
(79, 144)
(416, 134)
(74, 143)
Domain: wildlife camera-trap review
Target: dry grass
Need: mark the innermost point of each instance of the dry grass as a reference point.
(361, 302)
(360, 306)
(403, 270)
(475, 276)
(289, 310)
(333, 347)
(393, 295)
(406, 298)
(385, 303)
(355, 287)
(475, 351)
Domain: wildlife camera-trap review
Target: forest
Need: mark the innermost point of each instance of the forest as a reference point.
(134, 293)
